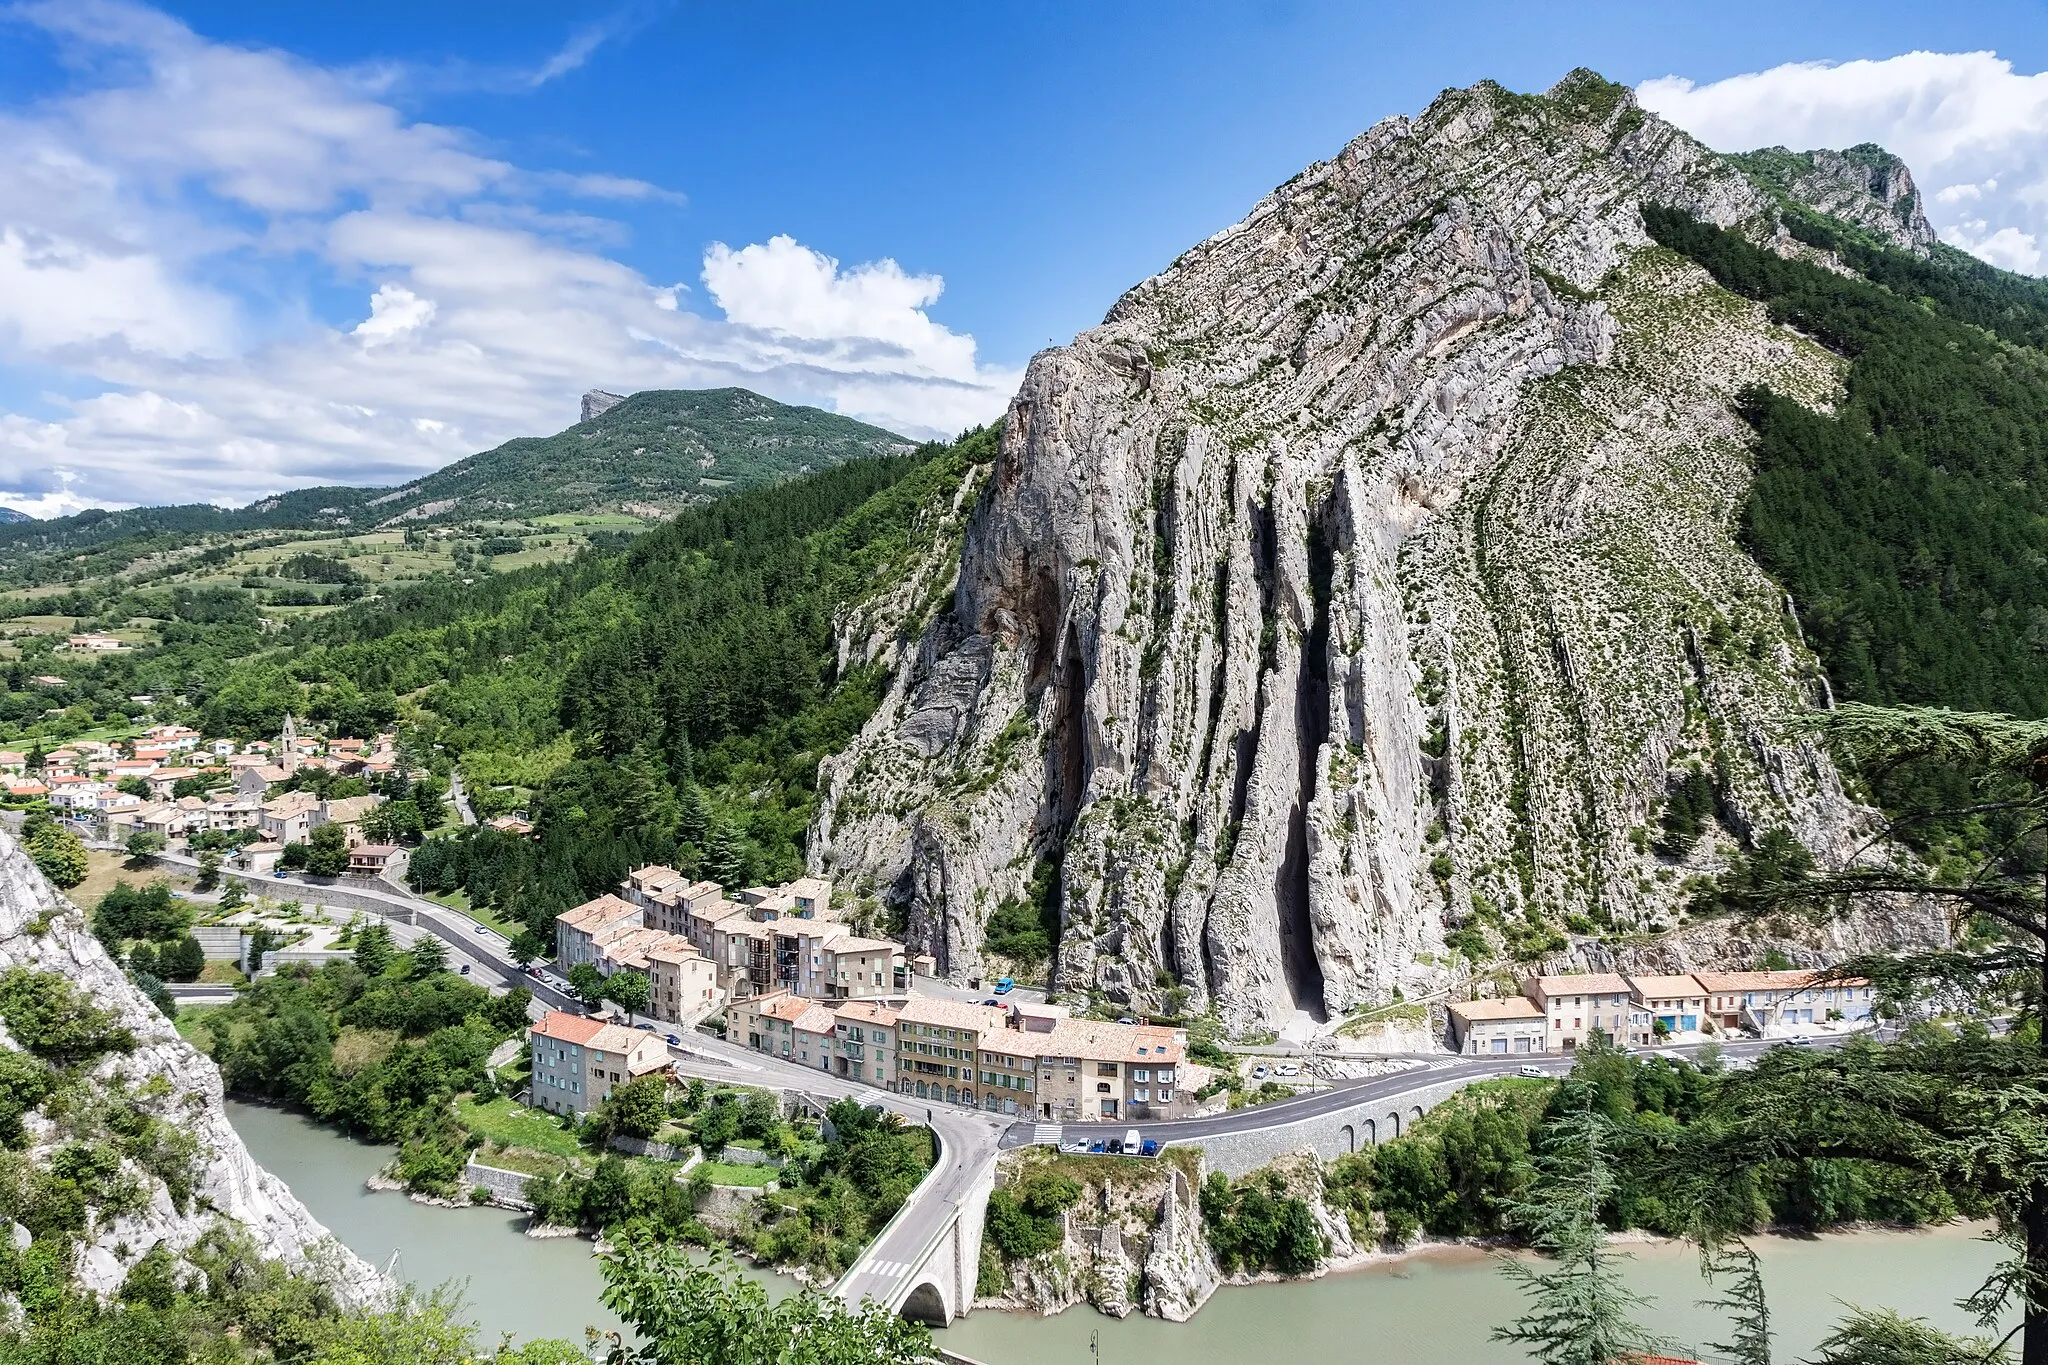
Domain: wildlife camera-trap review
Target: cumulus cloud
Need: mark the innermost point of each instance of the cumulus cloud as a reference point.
(175, 226)
(1973, 130)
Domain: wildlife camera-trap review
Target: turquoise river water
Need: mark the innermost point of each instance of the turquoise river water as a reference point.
(1422, 1310)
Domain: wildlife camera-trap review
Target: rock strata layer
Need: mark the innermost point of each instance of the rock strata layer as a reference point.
(1369, 574)
(40, 929)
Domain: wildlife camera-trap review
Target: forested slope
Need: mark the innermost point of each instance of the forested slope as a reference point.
(669, 703)
(1910, 525)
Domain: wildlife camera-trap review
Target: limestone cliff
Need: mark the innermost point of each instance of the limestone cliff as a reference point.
(1367, 574)
(1133, 1242)
(167, 1079)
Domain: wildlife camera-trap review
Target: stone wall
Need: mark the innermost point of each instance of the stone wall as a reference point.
(508, 1188)
(1331, 1135)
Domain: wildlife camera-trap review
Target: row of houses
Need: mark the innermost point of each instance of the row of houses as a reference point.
(1024, 1060)
(762, 939)
(1559, 1013)
(165, 754)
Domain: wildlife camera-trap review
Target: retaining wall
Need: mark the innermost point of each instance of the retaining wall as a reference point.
(506, 1187)
(1338, 1133)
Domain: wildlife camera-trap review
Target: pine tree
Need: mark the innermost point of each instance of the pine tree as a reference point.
(1744, 1302)
(1579, 1310)
(373, 949)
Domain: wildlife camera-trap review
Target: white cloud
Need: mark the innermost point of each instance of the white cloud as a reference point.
(394, 311)
(170, 223)
(1973, 130)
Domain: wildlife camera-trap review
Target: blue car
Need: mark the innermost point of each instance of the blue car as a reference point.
(1150, 1147)
(1006, 985)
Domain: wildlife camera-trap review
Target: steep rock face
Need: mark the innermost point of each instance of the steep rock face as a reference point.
(1864, 185)
(39, 929)
(1133, 1242)
(1368, 571)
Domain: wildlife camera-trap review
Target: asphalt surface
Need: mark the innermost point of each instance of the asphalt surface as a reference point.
(1345, 1094)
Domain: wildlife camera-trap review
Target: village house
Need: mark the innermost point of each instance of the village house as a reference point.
(577, 931)
(370, 860)
(257, 780)
(1768, 1001)
(13, 762)
(684, 987)
(1513, 1024)
(578, 1061)
(164, 781)
(348, 812)
(786, 1026)
(865, 1042)
(1577, 1006)
(1676, 1004)
(288, 819)
(93, 644)
(863, 969)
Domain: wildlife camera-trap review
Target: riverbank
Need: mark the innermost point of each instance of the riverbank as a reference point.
(1433, 1304)
(1437, 1303)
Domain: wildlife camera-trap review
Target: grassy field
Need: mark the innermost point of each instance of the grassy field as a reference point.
(102, 870)
(513, 1125)
(458, 901)
(723, 1173)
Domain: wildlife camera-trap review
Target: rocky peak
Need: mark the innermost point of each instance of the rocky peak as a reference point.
(1864, 185)
(596, 403)
(1361, 585)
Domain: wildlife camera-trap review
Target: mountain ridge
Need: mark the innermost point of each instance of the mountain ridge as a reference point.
(1345, 606)
(660, 449)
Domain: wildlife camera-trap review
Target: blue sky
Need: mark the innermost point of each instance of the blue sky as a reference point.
(258, 246)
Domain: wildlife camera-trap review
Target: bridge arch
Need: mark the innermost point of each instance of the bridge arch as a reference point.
(1372, 1132)
(1394, 1124)
(1415, 1113)
(927, 1304)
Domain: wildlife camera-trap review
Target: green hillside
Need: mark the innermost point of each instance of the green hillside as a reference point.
(649, 456)
(1911, 524)
(661, 449)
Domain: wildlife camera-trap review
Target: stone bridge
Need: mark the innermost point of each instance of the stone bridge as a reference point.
(925, 1263)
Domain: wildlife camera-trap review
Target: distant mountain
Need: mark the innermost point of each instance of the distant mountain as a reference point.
(650, 454)
(8, 516)
(656, 450)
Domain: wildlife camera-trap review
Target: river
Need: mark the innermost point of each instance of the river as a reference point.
(1426, 1310)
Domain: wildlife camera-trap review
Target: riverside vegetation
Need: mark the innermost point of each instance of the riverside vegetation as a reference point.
(392, 1048)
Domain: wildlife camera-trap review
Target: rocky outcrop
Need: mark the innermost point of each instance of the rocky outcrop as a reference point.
(596, 403)
(1864, 185)
(41, 930)
(1367, 575)
(1133, 1243)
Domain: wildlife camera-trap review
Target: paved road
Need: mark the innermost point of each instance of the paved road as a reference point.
(1344, 1094)
(460, 797)
(967, 1144)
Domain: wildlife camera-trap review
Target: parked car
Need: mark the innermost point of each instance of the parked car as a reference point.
(1005, 985)
(674, 1041)
(1127, 1020)
(1801, 1041)
(1114, 1147)
(1132, 1142)
(1150, 1147)
(992, 1002)
(1259, 1072)
(1528, 1071)
(644, 1028)
(1095, 1147)
(465, 969)
(1290, 1069)
(279, 875)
